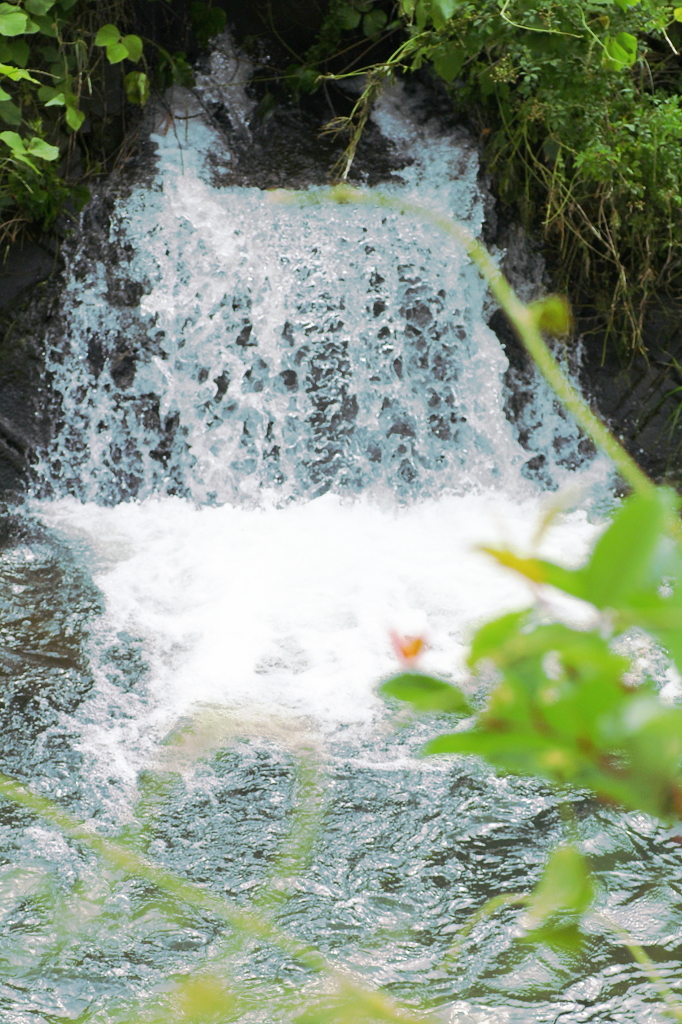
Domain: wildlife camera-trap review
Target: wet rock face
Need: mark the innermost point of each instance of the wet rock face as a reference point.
(641, 399)
(25, 420)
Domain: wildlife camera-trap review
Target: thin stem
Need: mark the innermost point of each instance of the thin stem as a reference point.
(673, 1005)
(484, 912)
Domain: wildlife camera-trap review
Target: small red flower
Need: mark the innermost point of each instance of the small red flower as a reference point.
(408, 648)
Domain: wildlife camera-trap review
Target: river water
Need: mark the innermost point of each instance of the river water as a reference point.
(282, 436)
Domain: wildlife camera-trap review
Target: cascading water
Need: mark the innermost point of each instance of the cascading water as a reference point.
(306, 405)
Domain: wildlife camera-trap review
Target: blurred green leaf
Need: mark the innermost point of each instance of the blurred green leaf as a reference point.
(136, 86)
(552, 315)
(133, 45)
(373, 22)
(425, 693)
(625, 554)
(448, 60)
(10, 112)
(565, 887)
(108, 35)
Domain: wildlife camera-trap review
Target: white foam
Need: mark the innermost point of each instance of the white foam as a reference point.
(289, 609)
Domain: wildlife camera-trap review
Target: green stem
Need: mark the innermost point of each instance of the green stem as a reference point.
(522, 317)
(484, 912)
(673, 1005)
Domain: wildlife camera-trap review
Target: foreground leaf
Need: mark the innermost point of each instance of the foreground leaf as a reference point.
(425, 693)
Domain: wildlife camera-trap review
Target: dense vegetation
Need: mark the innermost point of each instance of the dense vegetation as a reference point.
(578, 105)
(71, 74)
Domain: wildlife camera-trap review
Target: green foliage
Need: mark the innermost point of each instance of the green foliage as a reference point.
(564, 708)
(426, 693)
(207, 21)
(173, 69)
(579, 107)
(26, 152)
(53, 76)
(559, 900)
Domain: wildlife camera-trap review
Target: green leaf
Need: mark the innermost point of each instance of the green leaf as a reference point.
(14, 141)
(116, 53)
(565, 887)
(4, 95)
(18, 148)
(74, 116)
(552, 315)
(425, 693)
(677, 13)
(373, 22)
(58, 100)
(13, 21)
(108, 35)
(620, 51)
(626, 553)
(206, 21)
(45, 24)
(39, 6)
(10, 112)
(348, 18)
(15, 52)
(202, 1000)
(40, 148)
(15, 74)
(448, 61)
(136, 86)
(442, 11)
(301, 79)
(493, 635)
(539, 571)
(133, 45)
(562, 937)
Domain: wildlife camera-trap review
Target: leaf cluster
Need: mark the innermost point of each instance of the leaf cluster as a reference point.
(564, 708)
(65, 66)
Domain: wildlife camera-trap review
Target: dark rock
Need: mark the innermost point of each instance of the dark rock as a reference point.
(641, 398)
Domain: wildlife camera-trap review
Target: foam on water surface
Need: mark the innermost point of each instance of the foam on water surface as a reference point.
(291, 607)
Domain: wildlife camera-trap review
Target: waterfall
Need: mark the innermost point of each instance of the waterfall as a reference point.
(238, 346)
(281, 434)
